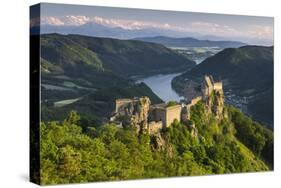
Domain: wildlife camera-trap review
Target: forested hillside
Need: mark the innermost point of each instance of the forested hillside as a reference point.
(247, 72)
(72, 152)
(127, 57)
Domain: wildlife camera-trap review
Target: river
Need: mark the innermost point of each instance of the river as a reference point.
(160, 84)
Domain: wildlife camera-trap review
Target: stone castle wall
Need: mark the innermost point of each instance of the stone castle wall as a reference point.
(195, 100)
(209, 85)
(120, 104)
(165, 114)
(172, 113)
(218, 86)
(159, 114)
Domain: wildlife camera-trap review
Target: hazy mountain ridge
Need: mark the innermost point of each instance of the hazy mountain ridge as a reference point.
(99, 30)
(191, 42)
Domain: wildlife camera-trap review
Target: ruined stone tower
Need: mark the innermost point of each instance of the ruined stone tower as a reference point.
(212, 94)
(208, 86)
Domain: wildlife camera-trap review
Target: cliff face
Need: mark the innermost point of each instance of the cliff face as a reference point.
(215, 104)
(133, 112)
(213, 97)
(140, 116)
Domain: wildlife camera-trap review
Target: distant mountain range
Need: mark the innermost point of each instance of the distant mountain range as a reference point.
(247, 71)
(191, 42)
(145, 34)
(99, 30)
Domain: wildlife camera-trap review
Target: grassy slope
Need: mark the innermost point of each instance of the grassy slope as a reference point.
(257, 164)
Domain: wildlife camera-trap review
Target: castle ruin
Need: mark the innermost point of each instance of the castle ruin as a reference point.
(165, 114)
(152, 118)
(208, 86)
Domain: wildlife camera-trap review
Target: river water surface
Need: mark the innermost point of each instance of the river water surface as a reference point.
(161, 85)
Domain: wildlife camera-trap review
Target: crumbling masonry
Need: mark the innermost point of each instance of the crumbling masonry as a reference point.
(152, 118)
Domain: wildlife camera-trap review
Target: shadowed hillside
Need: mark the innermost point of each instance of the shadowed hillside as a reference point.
(246, 71)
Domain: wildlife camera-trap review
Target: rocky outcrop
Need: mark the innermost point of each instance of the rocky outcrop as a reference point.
(139, 118)
(158, 142)
(212, 95)
(218, 106)
(132, 112)
(215, 104)
(193, 130)
(154, 127)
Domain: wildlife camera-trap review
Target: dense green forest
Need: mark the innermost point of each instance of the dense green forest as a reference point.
(71, 152)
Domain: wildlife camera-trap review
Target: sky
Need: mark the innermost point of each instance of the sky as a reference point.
(251, 29)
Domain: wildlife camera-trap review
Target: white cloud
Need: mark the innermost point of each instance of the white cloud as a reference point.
(203, 28)
(261, 31)
(51, 20)
(77, 20)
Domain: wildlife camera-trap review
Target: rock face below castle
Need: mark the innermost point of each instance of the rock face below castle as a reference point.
(145, 117)
(212, 94)
(215, 104)
(132, 112)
